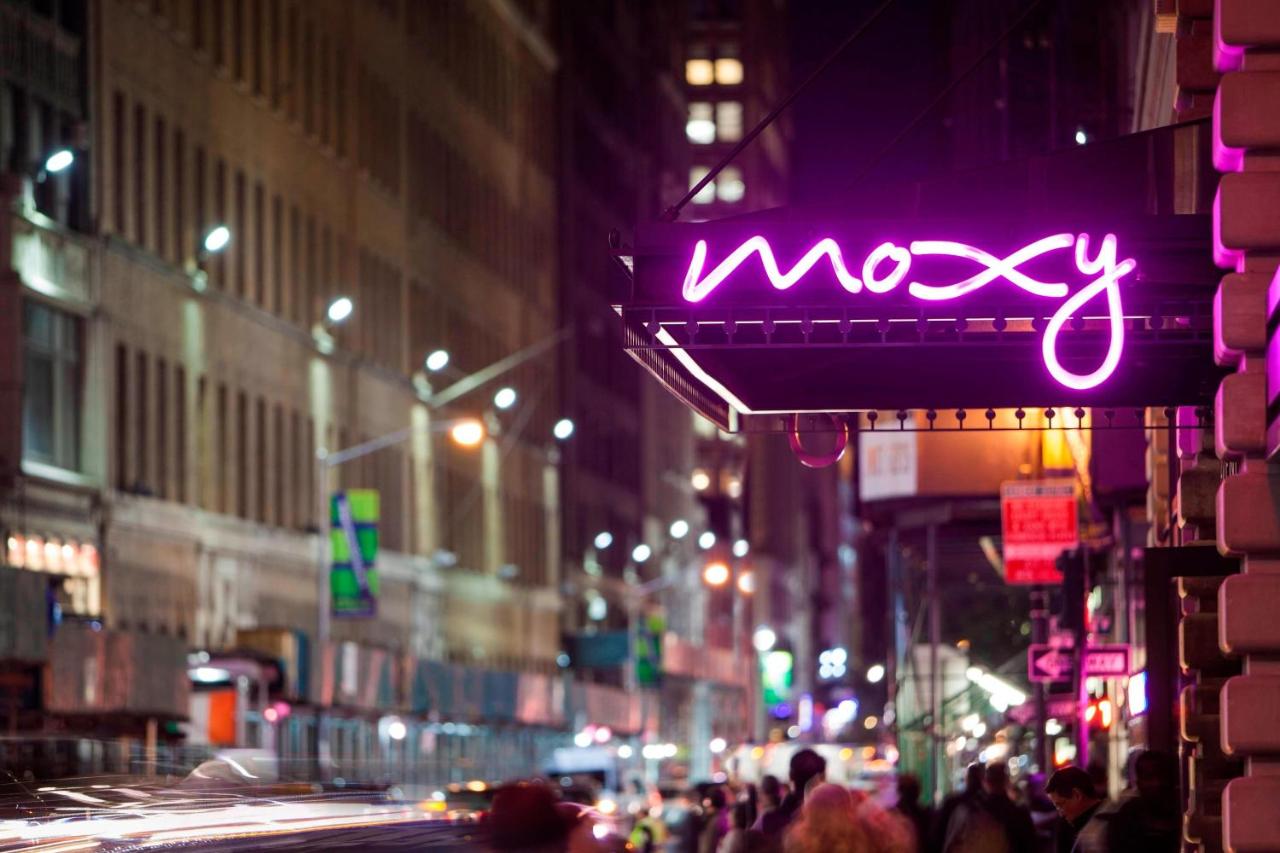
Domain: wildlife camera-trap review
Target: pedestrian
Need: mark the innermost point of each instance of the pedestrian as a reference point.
(1014, 818)
(1077, 800)
(1148, 817)
(741, 837)
(909, 807)
(713, 827)
(526, 816)
(806, 767)
(952, 802)
(827, 823)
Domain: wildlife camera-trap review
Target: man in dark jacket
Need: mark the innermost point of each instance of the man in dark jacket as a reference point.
(1013, 818)
(952, 802)
(1076, 799)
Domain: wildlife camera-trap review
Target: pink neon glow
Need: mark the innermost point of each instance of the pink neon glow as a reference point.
(1103, 267)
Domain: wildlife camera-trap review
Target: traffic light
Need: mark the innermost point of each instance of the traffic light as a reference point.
(1100, 713)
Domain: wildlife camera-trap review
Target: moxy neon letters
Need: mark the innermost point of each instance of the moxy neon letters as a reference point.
(888, 265)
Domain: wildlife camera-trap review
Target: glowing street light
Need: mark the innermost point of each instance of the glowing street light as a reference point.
(468, 433)
(718, 745)
(59, 161)
(505, 398)
(641, 552)
(747, 583)
(741, 548)
(716, 574)
(679, 528)
(700, 480)
(563, 429)
(437, 361)
(764, 639)
(217, 239)
(875, 673)
(603, 540)
(340, 309)
(706, 540)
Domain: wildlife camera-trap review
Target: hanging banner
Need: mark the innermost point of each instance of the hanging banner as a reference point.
(353, 541)
(1038, 521)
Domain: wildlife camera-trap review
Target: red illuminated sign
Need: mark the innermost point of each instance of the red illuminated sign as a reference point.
(1038, 522)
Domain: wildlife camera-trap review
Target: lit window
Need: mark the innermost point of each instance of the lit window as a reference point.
(699, 72)
(728, 124)
(729, 185)
(708, 193)
(701, 127)
(52, 387)
(728, 71)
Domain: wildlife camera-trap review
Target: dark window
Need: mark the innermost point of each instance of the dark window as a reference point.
(237, 39)
(311, 288)
(277, 255)
(220, 218)
(181, 491)
(162, 428)
(142, 447)
(298, 479)
(308, 80)
(238, 244)
(219, 32)
(119, 158)
(200, 181)
(180, 196)
(260, 461)
(162, 222)
(222, 459)
(242, 453)
(256, 34)
(293, 83)
(52, 381)
(309, 464)
(276, 50)
(296, 285)
(340, 101)
(198, 25)
(259, 245)
(122, 417)
(281, 451)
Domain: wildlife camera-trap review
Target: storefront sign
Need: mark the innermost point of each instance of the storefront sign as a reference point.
(1038, 522)
(777, 314)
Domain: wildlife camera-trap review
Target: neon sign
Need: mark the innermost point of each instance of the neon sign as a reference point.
(887, 266)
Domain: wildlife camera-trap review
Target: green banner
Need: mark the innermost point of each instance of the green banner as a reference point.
(353, 542)
(649, 650)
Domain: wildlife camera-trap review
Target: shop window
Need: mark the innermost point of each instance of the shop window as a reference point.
(701, 126)
(729, 185)
(53, 347)
(728, 123)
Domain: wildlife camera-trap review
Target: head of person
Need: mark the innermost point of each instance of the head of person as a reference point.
(827, 822)
(806, 765)
(973, 776)
(770, 792)
(527, 816)
(996, 780)
(908, 791)
(715, 800)
(1072, 792)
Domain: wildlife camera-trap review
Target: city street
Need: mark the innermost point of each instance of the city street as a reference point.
(699, 426)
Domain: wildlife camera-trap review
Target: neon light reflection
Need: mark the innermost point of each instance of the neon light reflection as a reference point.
(887, 266)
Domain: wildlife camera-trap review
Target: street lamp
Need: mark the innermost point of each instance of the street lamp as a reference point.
(679, 528)
(641, 552)
(505, 398)
(437, 361)
(764, 639)
(59, 161)
(706, 540)
(217, 239)
(875, 673)
(741, 548)
(467, 433)
(603, 540)
(563, 429)
(339, 309)
(716, 574)
(747, 582)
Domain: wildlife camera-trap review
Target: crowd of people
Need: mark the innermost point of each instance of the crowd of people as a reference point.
(807, 814)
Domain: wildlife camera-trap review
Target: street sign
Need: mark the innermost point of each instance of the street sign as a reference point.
(1053, 663)
(1059, 707)
(353, 543)
(1106, 661)
(1049, 663)
(1038, 522)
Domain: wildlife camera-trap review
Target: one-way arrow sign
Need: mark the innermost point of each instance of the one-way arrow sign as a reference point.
(1048, 663)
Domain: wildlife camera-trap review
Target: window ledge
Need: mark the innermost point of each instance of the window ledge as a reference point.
(54, 474)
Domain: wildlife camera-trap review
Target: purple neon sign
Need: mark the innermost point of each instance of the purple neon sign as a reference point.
(887, 266)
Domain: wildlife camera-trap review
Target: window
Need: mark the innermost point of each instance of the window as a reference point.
(141, 443)
(219, 34)
(255, 32)
(708, 193)
(259, 455)
(199, 180)
(140, 174)
(238, 248)
(180, 433)
(729, 185)
(277, 53)
(728, 71)
(282, 470)
(122, 417)
(222, 459)
(119, 158)
(237, 39)
(699, 72)
(162, 222)
(52, 350)
(162, 428)
(180, 196)
(701, 127)
(277, 256)
(259, 245)
(242, 454)
(728, 124)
